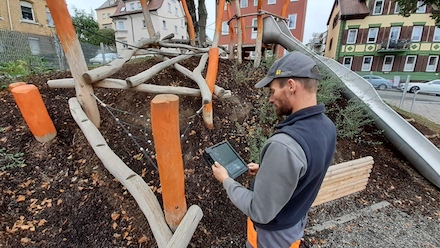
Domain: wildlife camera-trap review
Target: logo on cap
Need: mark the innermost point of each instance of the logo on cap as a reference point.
(278, 72)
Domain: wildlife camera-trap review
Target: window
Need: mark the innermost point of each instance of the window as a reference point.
(132, 6)
(169, 7)
(164, 24)
(243, 3)
(108, 14)
(49, 18)
(417, 33)
(182, 22)
(123, 9)
(394, 35)
(347, 62)
(176, 11)
(225, 28)
(351, 37)
(410, 63)
(27, 12)
(421, 7)
(254, 28)
(175, 29)
(103, 15)
(330, 44)
(292, 21)
(432, 64)
(436, 34)
(139, 5)
(121, 25)
(255, 2)
(271, 1)
(396, 8)
(372, 35)
(366, 63)
(144, 24)
(34, 45)
(112, 2)
(388, 63)
(378, 6)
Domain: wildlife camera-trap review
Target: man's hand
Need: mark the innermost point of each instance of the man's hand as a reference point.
(253, 168)
(220, 173)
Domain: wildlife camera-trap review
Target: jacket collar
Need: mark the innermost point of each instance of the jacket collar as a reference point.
(302, 114)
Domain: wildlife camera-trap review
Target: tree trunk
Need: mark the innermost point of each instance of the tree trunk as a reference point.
(203, 15)
(192, 11)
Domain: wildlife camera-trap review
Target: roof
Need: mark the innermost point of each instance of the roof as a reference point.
(353, 8)
(121, 10)
(107, 4)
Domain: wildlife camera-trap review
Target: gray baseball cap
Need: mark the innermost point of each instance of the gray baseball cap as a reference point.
(292, 65)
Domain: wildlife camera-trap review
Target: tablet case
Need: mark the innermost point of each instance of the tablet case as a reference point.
(227, 157)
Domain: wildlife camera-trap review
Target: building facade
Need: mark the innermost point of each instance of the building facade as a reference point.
(128, 21)
(296, 13)
(104, 12)
(370, 36)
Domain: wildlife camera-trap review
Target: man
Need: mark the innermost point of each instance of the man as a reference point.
(293, 161)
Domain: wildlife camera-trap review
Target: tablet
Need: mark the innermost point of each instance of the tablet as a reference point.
(227, 157)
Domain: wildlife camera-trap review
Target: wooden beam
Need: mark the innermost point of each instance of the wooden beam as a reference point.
(185, 230)
(111, 83)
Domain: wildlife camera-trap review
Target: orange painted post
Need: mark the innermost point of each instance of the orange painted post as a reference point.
(218, 22)
(231, 33)
(166, 136)
(211, 76)
(192, 35)
(16, 84)
(34, 112)
(75, 58)
(284, 9)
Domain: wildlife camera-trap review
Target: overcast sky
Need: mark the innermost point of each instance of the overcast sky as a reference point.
(316, 16)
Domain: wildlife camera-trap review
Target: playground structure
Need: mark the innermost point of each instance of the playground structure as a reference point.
(175, 228)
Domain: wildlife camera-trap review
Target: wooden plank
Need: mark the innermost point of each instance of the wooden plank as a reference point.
(142, 77)
(137, 187)
(339, 195)
(359, 171)
(343, 185)
(111, 68)
(350, 163)
(166, 135)
(184, 232)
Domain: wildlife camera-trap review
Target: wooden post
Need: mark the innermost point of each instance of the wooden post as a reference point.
(231, 32)
(147, 18)
(211, 76)
(166, 135)
(218, 22)
(75, 57)
(259, 42)
(16, 84)
(240, 32)
(34, 111)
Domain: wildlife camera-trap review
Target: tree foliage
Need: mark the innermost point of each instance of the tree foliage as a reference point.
(408, 7)
(87, 29)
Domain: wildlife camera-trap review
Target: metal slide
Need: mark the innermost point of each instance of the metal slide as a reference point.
(423, 155)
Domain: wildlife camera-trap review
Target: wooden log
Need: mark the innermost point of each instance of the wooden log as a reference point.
(137, 187)
(184, 232)
(75, 57)
(111, 68)
(198, 78)
(122, 84)
(147, 18)
(166, 135)
(191, 30)
(145, 75)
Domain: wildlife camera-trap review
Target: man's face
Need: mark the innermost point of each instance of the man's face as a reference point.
(279, 97)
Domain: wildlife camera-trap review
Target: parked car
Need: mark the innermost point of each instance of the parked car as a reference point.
(379, 82)
(109, 57)
(432, 86)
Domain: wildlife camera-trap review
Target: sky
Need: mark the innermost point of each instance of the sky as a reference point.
(316, 14)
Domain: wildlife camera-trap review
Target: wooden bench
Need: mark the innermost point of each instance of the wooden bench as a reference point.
(344, 179)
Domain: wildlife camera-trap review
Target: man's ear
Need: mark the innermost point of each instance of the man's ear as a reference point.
(292, 84)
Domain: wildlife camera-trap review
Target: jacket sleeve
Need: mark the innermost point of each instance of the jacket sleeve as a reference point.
(283, 163)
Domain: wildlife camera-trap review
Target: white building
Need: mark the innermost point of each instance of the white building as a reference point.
(129, 24)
